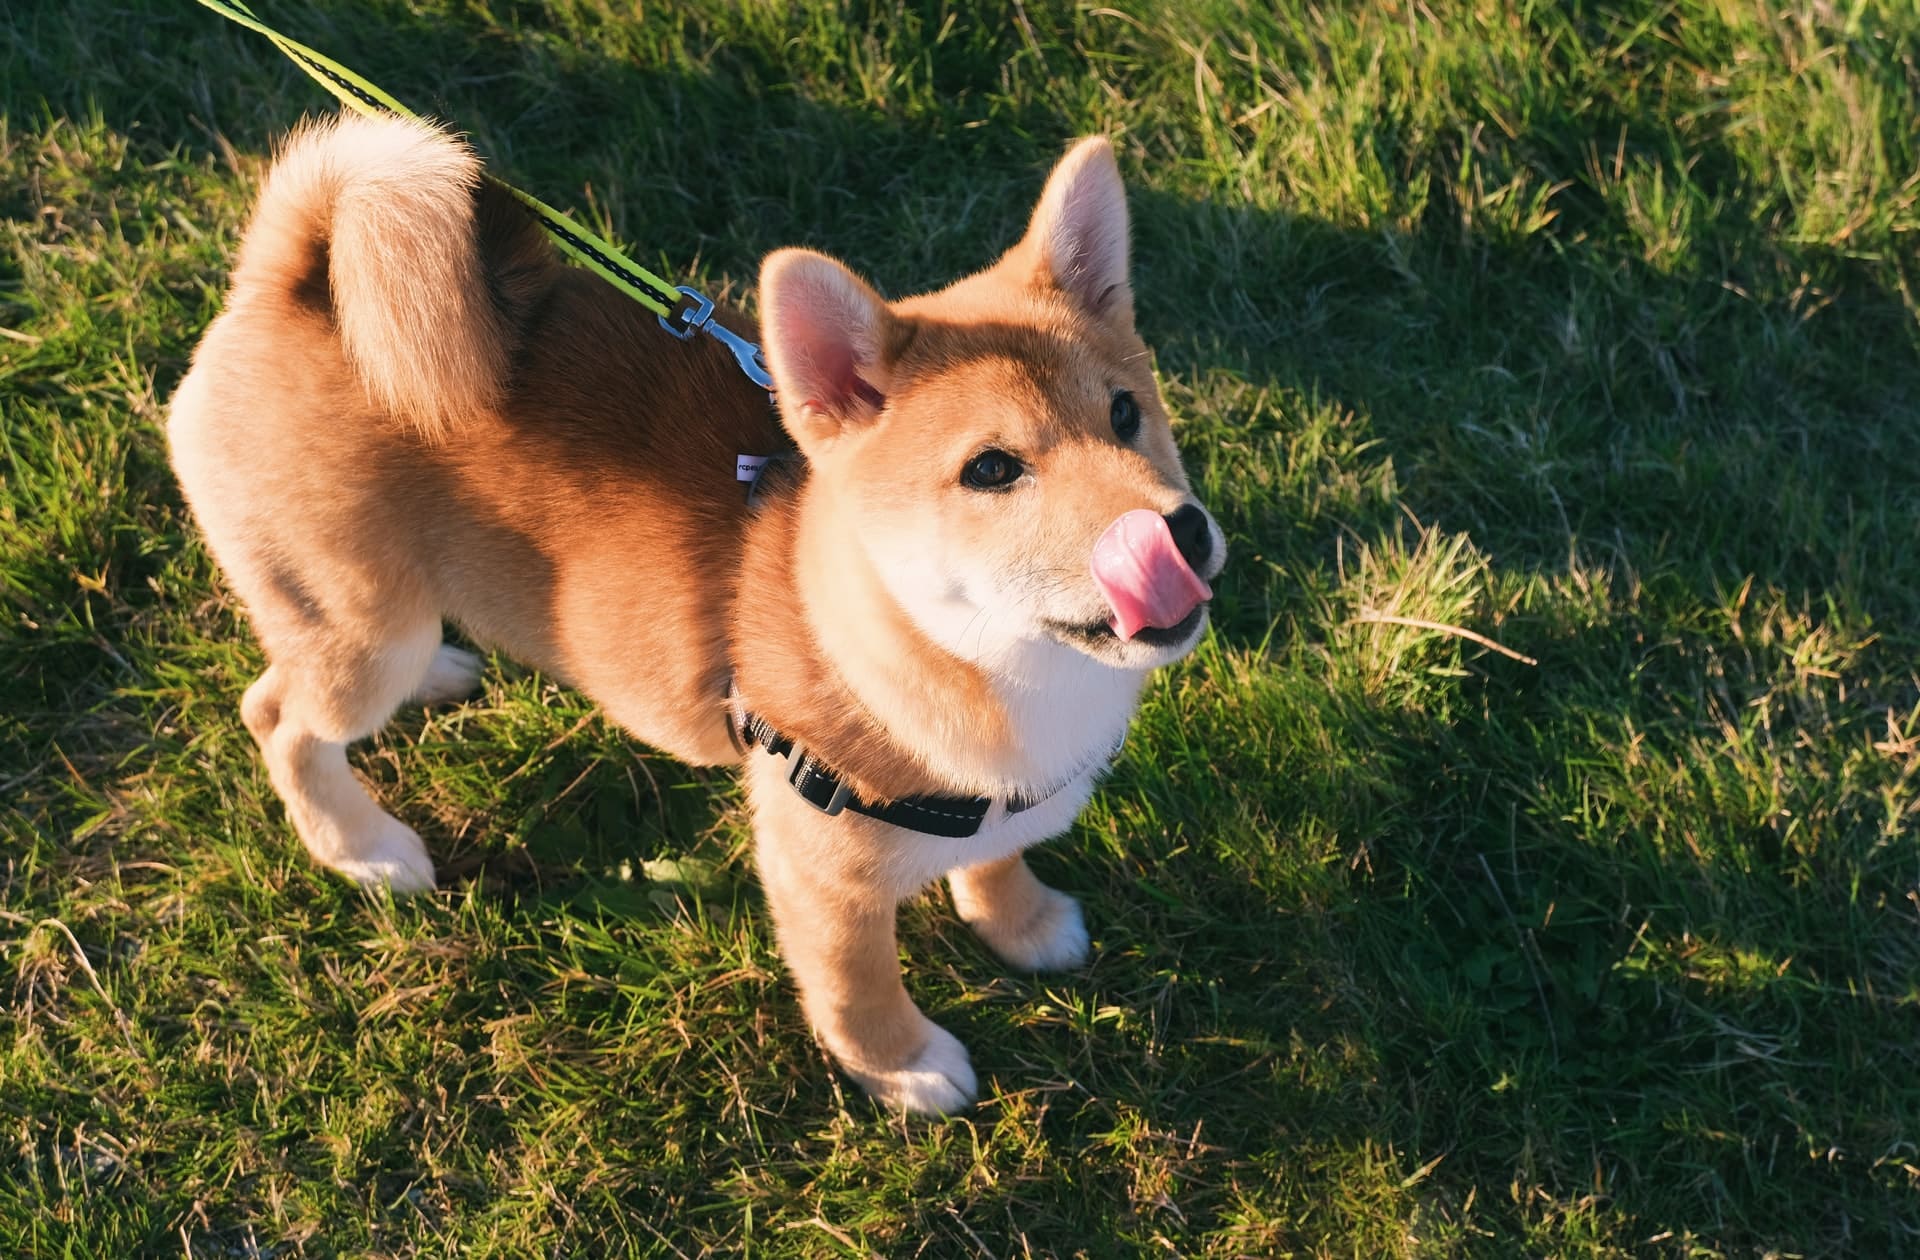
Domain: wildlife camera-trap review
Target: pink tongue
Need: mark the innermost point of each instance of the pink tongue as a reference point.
(1143, 575)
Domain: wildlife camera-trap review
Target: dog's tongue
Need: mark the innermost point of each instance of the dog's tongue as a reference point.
(1143, 575)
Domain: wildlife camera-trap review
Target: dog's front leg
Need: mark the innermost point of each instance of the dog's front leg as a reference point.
(1030, 925)
(833, 910)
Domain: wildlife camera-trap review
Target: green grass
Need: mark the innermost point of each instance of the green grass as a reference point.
(1589, 327)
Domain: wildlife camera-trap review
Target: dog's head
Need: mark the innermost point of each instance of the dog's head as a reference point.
(998, 450)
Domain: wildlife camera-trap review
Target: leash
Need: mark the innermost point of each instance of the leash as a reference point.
(682, 311)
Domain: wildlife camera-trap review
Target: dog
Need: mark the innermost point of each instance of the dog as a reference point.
(922, 636)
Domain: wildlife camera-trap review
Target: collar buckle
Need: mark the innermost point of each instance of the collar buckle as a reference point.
(815, 784)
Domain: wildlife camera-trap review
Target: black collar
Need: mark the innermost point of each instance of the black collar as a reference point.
(952, 817)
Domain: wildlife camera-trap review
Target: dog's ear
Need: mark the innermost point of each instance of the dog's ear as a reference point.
(1079, 234)
(829, 343)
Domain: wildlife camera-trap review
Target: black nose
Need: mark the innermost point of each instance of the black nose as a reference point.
(1192, 535)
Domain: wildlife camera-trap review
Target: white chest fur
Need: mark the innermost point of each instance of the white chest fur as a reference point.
(1066, 712)
(1067, 715)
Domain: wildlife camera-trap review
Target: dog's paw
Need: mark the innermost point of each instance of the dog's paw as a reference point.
(1054, 938)
(395, 856)
(454, 675)
(935, 1082)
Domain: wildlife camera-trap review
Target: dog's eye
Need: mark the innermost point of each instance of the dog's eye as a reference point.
(991, 470)
(1126, 416)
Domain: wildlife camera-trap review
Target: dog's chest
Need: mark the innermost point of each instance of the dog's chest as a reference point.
(1065, 721)
(1065, 715)
(1064, 736)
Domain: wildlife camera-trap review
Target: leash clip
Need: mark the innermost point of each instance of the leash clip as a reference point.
(697, 314)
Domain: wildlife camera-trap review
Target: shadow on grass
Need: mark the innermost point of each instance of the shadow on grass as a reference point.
(1389, 930)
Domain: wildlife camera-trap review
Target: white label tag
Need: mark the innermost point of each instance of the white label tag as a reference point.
(747, 467)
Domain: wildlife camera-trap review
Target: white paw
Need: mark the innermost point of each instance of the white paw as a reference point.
(394, 855)
(935, 1082)
(454, 675)
(1055, 939)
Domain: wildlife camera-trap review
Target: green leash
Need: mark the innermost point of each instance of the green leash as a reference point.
(681, 318)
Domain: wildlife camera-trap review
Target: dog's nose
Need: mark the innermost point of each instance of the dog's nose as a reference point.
(1191, 535)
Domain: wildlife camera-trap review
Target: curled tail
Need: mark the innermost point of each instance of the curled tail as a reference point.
(372, 221)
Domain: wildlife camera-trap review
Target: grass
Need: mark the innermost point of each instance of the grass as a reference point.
(1589, 327)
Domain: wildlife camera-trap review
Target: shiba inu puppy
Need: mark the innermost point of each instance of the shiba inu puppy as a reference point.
(923, 639)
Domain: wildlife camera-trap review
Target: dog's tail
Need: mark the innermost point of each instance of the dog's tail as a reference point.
(371, 221)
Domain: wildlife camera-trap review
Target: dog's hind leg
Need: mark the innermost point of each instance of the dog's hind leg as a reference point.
(453, 675)
(304, 711)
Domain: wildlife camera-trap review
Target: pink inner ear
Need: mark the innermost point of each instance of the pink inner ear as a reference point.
(828, 363)
(1082, 224)
(832, 374)
(824, 328)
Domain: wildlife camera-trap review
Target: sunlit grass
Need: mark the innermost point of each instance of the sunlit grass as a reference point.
(1588, 329)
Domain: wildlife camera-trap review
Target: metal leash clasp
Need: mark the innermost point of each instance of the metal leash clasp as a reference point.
(697, 314)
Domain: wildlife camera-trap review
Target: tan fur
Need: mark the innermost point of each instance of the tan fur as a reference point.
(394, 199)
(411, 412)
